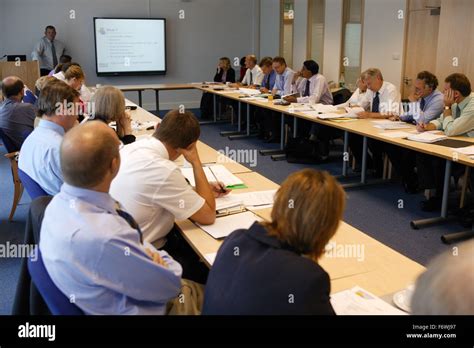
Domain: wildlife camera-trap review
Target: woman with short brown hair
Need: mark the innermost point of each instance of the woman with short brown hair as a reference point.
(272, 268)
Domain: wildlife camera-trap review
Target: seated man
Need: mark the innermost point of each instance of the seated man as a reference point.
(447, 286)
(268, 82)
(58, 106)
(276, 270)
(358, 96)
(457, 119)
(282, 87)
(152, 188)
(426, 104)
(313, 88)
(16, 118)
(382, 101)
(253, 75)
(92, 249)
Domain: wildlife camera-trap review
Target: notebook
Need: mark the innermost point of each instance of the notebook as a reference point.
(227, 224)
(214, 172)
(427, 137)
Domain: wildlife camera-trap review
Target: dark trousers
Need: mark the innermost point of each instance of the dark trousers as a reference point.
(179, 250)
(270, 121)
(376, 148)
(404, 162)
(325, 134)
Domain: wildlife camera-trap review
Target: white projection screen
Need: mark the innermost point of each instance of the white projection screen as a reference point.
(130, 46)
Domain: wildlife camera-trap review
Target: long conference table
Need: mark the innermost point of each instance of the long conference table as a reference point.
(378, 269)
(365, 128)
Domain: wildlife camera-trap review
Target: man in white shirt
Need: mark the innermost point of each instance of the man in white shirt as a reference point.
(311, 85)
(254, 74)
(358, 96)
(152, 188)
(48, 50)
(382, 101)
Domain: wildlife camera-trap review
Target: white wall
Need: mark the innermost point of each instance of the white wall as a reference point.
(383, 38)
(332, 40)
(269, 28)
(211, 29)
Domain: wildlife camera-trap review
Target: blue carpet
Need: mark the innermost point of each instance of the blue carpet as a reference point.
(374, 209)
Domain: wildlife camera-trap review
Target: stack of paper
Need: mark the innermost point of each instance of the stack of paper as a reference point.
(468, 151)
(353, 112)
(215, 172)
(228, 224)
(358, 301)
(249, 199)
(395, 135)
(249, 91)
(427, 137)
(388, 125)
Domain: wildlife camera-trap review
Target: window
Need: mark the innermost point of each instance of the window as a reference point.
(286, 36)
(351, 42)
(316, 31)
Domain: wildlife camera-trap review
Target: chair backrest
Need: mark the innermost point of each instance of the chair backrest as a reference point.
(57, 302)
(341, 96)
(34, 190)
(7, 142)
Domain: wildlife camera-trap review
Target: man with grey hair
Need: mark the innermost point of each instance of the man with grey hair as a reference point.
(382, 101)
(447, 287)
(92, 248)
(254, 74)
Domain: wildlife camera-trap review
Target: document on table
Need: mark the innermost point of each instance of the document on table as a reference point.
(249, 91)
(249, 199)
(427, 137)
(211, 257)
(395, 135)
(468, 150)
(214, 172)
(227, 224)
(353, 112)
(358, 301)
(388, 125)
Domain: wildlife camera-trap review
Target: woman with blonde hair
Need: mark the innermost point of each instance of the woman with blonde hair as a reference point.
(271, 268)
(109, 106)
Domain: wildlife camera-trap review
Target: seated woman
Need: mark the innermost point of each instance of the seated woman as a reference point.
(224, 73)
(271, 268)
(109, 105)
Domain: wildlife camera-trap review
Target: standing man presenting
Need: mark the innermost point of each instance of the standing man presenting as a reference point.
(48, 50)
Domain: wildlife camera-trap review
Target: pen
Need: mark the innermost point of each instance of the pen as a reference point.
(223, 190)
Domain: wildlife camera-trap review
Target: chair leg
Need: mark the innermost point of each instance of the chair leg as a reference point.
(16, 198)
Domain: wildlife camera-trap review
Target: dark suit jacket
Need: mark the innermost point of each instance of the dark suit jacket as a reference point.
(255, 274)
(230, 77)
(28, 300)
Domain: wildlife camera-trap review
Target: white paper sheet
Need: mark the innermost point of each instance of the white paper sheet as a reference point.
(358, 301)
(468, 150)
(211, 257)
(213, 172)
(227, 224)
(248, 199)
(394, 135)
(427, 137)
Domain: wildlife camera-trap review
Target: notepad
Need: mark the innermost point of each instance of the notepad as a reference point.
(228, 224)
(214, 172)
(248, 199)
(427, 137)
(358, 301)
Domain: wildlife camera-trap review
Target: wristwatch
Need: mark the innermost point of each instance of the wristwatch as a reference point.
(447, 108)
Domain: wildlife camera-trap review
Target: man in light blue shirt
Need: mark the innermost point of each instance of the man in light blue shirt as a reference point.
(48, 51)
(426, 102)
(284, 79)
(92, 249)
(59, 107)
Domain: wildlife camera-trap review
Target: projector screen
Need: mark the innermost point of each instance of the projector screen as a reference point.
(130, 46)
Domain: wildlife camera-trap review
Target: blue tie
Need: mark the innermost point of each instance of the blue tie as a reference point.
(422, 104)
(376, 103)
(131, 221)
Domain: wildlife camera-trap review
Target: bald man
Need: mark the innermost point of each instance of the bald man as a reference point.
(16, 118)
(254, 74)
(92, 249)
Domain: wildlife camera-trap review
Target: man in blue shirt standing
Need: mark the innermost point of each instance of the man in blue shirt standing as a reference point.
(16, 118)
(59, 107)
(92, 249)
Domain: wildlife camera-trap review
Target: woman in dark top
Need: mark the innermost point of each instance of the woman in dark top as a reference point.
(271, 268)
(224, 73)
(109, 104)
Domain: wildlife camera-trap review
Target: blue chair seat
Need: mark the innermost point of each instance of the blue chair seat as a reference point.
(57, 302)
